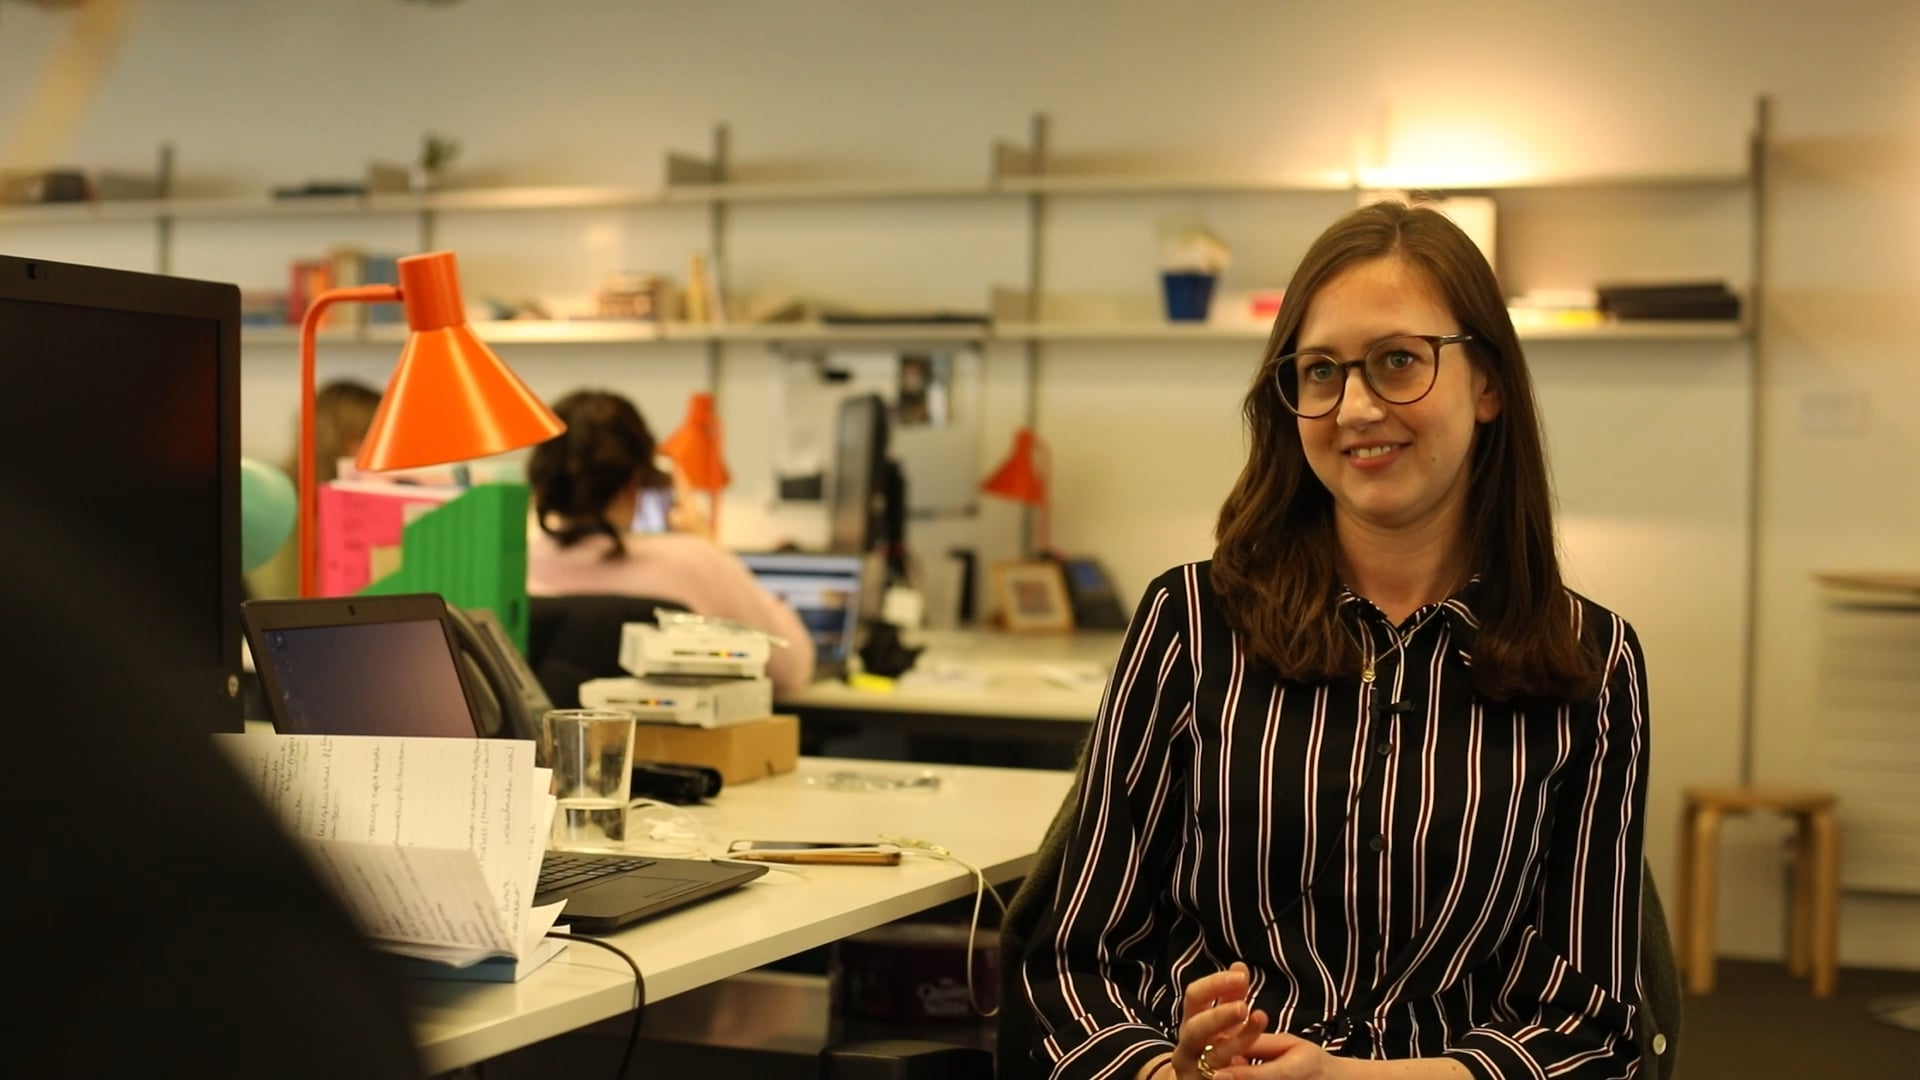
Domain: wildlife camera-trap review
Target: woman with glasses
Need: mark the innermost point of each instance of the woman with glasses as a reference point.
(1369, 784)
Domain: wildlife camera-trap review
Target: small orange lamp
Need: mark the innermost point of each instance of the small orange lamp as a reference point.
(450, 398)
(695, 450)
(1023, 479)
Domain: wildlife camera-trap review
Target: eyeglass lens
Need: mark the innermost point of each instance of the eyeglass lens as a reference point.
(1398, 370)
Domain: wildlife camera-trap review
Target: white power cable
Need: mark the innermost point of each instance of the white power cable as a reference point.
(981, 889)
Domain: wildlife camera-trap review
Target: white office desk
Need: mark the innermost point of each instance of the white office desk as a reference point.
(1019, 686)
(994, 818)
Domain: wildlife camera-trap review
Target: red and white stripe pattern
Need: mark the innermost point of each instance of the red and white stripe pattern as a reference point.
(1449, 877)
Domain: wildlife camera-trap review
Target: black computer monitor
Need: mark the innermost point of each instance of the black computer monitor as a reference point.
(121, 398)
(857, 511)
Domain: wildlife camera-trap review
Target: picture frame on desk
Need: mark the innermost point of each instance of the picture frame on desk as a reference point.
(1031, 596)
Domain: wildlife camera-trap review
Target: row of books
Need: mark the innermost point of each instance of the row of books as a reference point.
(307, 278)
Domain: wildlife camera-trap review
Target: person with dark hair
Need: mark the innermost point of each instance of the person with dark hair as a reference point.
(587, 487)
(169, 926)
(1370, 783)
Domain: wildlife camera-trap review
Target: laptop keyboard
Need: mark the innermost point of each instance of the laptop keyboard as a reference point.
(559, 870)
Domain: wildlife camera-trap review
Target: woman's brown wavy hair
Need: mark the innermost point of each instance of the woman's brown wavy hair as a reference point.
(575, 475)
(1274, 567)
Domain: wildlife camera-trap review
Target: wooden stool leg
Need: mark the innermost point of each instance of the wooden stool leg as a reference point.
(1700, 896)
(1800, 907)
(1826, 903)
(1683, 889)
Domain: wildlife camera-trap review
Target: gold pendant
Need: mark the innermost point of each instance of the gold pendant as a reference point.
(1366, 675)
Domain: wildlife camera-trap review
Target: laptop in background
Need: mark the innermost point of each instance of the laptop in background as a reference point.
(826, 592)
(386, 665)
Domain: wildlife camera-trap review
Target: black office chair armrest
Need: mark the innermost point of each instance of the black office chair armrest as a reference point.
(904, 1059)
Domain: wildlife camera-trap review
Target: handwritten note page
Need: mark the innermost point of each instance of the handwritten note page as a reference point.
(432, 841)
(416, 896)
(539, 919)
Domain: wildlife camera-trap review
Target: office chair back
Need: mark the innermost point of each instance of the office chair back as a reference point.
(571, 639)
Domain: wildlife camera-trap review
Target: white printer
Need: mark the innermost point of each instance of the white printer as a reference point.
(688, 669)
(694, 700)
(682, 645)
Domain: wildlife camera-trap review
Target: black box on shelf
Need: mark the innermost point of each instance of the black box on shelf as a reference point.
(44, 186)
(1703, 300)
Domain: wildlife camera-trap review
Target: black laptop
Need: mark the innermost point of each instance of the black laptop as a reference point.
(386, 665)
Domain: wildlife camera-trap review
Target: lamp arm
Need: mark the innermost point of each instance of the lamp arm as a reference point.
(309, 491)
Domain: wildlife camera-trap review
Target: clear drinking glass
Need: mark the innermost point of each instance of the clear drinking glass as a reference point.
(591, 754)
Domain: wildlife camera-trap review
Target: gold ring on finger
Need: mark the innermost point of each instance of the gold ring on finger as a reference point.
(1204, 1066)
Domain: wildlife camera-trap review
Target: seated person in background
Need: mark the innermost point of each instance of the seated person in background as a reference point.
(342, 412)
(586, 489)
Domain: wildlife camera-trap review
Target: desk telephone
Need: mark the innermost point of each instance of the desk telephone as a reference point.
(1090, 591)
(507, 697)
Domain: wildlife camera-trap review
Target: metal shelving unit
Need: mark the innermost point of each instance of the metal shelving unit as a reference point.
(1016, 171)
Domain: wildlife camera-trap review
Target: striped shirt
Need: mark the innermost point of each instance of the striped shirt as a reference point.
(1407, 869)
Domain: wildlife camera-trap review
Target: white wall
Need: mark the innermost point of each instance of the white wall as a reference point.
(1650, 444)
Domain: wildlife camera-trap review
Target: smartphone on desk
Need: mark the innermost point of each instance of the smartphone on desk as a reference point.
(814, 852)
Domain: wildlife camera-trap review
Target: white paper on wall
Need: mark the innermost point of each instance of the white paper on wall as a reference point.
(932, 396)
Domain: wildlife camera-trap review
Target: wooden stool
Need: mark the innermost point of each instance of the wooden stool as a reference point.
(1814, 912)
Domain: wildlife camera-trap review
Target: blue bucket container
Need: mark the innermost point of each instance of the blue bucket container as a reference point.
(1188, 296)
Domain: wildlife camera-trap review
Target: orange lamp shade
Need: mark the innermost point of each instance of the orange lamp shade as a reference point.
(450, 398)
(1021, 477)
(695, 447)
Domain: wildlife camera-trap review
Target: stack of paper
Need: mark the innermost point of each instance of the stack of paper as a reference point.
(434, 845)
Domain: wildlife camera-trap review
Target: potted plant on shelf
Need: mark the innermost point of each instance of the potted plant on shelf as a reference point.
(1192, 262)
(436, 153)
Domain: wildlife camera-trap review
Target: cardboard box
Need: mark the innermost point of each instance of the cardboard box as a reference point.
(741, 752)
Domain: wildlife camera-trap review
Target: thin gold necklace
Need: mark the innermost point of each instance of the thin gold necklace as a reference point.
(1365, 645)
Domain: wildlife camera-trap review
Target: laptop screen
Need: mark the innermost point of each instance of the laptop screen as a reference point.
(824, 590)
(368, 678)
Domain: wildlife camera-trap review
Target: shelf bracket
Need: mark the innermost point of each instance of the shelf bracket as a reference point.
(1012, 161)
(719, 166)
(688, 169)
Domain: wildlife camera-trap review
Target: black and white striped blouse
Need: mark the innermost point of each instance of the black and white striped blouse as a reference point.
(1407, 869)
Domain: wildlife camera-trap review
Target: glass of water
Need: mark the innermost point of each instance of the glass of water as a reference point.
(591, 754)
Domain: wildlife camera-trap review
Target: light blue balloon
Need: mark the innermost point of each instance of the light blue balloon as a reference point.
(268, 505)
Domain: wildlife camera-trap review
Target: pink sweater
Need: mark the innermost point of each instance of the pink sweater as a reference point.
(689, 570)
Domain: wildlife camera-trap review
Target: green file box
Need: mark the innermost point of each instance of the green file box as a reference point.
(473, 552)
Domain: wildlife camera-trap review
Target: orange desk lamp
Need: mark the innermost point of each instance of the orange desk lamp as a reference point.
(695, 450)
(1023, 479)
(450, 399)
